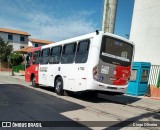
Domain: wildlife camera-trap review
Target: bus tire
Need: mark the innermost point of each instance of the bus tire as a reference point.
(59, 86)
(34, 84)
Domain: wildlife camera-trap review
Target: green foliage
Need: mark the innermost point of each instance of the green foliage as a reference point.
(15, 59)
(5, 50)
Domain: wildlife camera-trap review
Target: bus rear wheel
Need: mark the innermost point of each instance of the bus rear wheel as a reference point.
(34, 84)
(59, 86)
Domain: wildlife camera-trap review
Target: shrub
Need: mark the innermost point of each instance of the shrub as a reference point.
(15, 59)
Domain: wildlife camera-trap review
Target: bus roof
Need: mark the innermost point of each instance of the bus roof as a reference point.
(35, 49)
(86, 36)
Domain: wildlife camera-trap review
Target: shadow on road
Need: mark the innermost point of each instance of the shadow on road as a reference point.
(19, 103)
(102, 97)
(78, 95)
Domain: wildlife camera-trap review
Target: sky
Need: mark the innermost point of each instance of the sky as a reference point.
(56, 20)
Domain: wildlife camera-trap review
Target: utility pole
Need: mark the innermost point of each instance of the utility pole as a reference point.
(109, 15)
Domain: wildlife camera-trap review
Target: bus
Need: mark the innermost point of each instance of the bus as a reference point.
(32, 66)
(93, 62)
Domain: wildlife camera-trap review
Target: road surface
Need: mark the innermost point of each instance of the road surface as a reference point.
(21, 102)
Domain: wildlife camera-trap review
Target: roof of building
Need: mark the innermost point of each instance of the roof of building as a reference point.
(40, 41)
(14, 31)
(24, 50)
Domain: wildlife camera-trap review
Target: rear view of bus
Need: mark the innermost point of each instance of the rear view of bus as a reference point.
(114, 66)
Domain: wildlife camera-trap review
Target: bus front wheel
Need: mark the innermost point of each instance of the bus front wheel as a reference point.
(34, 84)
(59, 86)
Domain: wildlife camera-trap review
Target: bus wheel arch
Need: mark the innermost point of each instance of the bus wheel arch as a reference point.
(33, 80)
(58, 84)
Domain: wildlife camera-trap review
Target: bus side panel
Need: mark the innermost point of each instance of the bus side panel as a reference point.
(43, 74)
(80, 76)
(74, 76)
(53, 71)
(27, 75)
(36, 68)
(93, 60)
(33, 69)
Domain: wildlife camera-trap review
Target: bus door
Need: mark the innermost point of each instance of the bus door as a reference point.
(28, 67)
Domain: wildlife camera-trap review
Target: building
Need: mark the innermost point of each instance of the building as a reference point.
(33, 43)
(17, 39)
(37, 42)
(20, 42)
(145, 31)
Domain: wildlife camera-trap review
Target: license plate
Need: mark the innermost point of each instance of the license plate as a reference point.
(105, 70)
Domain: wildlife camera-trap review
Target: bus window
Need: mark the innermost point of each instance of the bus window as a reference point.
(36, 56)
(45, 56)
(82, 51)
(68, 53)
(55, 55)
(115, 51)
(28, 59)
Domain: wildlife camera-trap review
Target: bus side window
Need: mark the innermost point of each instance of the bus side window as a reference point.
(55, 55)
(36, 56)
(82, 51)
(68, 54)
(45, 56)
(28, 58)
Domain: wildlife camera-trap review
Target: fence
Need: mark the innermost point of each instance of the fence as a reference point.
(154, 77)
(4, 66)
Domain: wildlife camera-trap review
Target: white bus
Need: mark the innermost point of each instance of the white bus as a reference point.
(93, 62)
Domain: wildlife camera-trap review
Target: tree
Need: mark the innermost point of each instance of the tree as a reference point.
(5, 50)
(15, 59)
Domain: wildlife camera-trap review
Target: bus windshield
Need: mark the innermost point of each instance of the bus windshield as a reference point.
(116, 52)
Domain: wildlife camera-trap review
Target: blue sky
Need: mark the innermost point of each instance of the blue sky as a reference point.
(56, 20)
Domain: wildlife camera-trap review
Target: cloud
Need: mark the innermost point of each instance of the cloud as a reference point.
(45, 25)
(55, 29)
(64, 29)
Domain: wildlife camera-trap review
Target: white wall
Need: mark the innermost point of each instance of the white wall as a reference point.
(4, 36)
(16, 40)
(30, 43)
(145, 31)
(33, 44)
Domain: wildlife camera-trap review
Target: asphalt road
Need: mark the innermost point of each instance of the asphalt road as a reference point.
(20, 102)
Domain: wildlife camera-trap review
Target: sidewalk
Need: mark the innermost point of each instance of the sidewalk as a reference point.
(9, 73)
(147, 103)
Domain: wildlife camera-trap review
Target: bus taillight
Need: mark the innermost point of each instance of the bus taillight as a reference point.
(95, 72)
